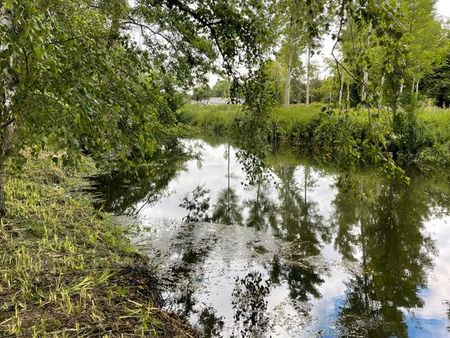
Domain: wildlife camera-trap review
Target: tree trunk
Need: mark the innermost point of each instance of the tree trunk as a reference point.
(308, 66)
(417, 87)
(8, 83)
(348, 94)
(7, 124)
(287, 90)
(341, 93)
(380, 99)
(2, 189)
(364, 85)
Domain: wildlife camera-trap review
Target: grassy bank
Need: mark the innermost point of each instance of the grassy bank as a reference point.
(425, 145)
(68, 270)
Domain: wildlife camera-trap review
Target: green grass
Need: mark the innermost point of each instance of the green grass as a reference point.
(297, 112)
(436, 132)
(436, 121)
(68, 270)
(307, 129)
(210, 119)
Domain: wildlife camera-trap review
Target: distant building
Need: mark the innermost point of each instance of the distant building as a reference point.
(214, 101)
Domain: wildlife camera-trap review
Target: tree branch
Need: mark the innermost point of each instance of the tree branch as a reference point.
(6, 124)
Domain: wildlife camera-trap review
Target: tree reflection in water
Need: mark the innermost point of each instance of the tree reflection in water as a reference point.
(249, 300)
(227, 209)
(262, 211)
(376, 228)
(448, 315)
(210, 324)
(197, 205)
(124, 192)
(185, 274)
(302, 225)
(396, 256)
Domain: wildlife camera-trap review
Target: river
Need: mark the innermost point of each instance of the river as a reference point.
(293, 250)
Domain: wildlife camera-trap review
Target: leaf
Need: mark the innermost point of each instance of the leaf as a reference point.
(8, 5)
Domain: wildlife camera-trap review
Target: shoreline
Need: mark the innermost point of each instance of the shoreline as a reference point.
(325, 137)
(68, 269)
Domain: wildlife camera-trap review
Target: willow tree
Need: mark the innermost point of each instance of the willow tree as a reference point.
(102, 78)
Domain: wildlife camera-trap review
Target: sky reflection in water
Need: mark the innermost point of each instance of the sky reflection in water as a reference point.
(371, 261)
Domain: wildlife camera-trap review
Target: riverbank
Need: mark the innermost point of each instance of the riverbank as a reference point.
(424, 145)
(68, 269)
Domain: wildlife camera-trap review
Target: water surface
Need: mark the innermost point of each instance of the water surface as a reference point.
(289, 251)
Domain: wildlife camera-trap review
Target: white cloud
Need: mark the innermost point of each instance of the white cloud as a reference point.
(443, 8)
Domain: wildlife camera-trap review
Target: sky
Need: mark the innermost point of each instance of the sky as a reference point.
(443, 8)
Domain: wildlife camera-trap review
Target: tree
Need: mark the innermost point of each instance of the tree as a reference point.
(436, 85)
(289, 55)
(420, 43)
(302, 23)
(201, 93)
(426, 40)
(221, 89)
(276, 76)
(76, 81)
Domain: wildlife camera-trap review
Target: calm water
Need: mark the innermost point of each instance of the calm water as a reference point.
(289, 252)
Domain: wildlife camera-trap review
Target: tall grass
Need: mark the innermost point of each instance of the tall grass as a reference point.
(436, 134)
(67, 270)
(215, 119)
(306, 128)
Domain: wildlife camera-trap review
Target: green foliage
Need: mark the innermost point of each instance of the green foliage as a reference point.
(436, 85)
(201, 93)
(77, 82)
(82, 87)
(213, 119)
(221, 89)
(350, 138)
(276, 75)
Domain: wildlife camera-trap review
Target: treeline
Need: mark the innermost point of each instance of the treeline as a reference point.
(359, 69)
(359, 66)
(333, 138)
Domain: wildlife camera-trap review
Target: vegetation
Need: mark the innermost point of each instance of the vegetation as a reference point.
(68, 269)
(76, 81)
(100, 79)
(436, 85)
(104, 80)
(363, 49)
(310, 129)
(221, 89)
